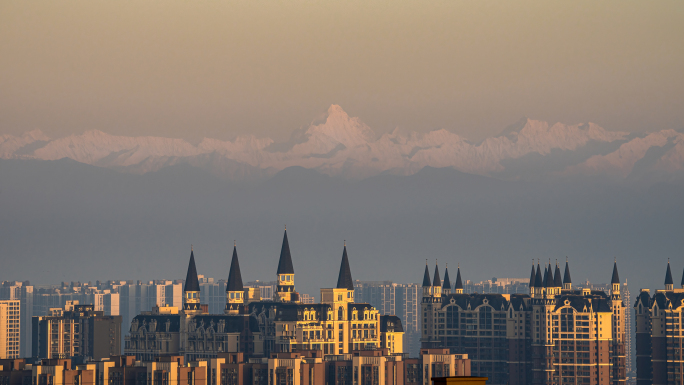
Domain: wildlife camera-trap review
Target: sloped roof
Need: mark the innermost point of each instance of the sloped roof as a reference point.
(557, 282)
(161, 320)
(459, 283)
(285, 261)
(566, 276)
(668, 275)
(538, 282)
(234, 276)
(447, 283)
(344, 279)
(496, 301)
(232, 323)
(426, 277)
(436, 281)
(191, 281)
(390, 323)
(616, 277)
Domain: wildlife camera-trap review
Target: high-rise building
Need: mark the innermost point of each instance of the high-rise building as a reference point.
(76, 331)
(660, 334)
(10, 328)
(397, 299)
(629, 331)
(553, 335)
(22, 292)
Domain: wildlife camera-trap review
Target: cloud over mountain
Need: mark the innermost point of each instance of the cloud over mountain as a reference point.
(345, 146)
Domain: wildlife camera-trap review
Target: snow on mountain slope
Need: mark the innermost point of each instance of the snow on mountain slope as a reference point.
(621, 162)
(10, 145)
(344, 145)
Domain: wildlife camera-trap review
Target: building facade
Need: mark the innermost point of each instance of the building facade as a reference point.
(76, 331)
(10, 329)
(659, 334)
(553, 335)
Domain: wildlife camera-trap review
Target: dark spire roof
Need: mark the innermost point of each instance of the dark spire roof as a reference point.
(459, 283)
(537, 277)
(436, 281)
(616, 277)
(447, 282)
(532, 276)
(549, 281)
(191, 281)
(556, 277)
(566, 276)
(285, 262)
(344, 280)
(426, 276)
(545, 282)
(682, 279)
(234, 276)
(668, 275)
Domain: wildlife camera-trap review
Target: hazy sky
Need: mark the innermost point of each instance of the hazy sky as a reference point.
(221, 68)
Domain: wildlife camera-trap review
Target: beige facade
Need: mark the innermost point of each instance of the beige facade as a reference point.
(10, 329)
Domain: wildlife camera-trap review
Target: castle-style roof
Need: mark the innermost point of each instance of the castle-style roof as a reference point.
(391, 323)
(191, 281)
(344, 280)
(426, 277)
(682, 279)
(532, 276)
(436, 281)
(157, 323)
(231, 323)
(234, 276)
(663, 299)
(616, 277)
(285, 262)
(668, 275)
(566, 276)
(538, 277)
(459, 283)
(546, 281)
(597, 302)
(556, 277)
(497, 301)
(289, 311)
(447, 282)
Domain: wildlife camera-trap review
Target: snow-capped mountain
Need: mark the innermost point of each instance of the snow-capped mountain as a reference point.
(344, 145)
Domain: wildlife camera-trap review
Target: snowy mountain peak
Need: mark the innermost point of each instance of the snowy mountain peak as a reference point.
(342, 145)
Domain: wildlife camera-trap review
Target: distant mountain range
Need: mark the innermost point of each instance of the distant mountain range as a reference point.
(340, 145)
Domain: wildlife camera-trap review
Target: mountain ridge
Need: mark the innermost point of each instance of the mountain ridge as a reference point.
(345, 146)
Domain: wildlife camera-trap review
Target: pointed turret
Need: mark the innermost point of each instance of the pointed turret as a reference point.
(285, 288)
(426, 277)
(567, 280)
(234, 275)
(615, 282)
(682, 280)
(458, 288)
(191, 291)
(235, 292)
(616, 276)
(446, 285)
(545, 282)
(532, 276)
(557, 280)
(344, 279)
(437, 281)
(191, 280)
(538, 282)
(285, 262)
(669, 283)
(550, 282)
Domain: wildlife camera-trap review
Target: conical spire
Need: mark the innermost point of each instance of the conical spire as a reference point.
(566, 276)
(234, 276)
(538, 277)
(426, 276)
(549, 282)
(436, 281)
(532, 276)
(344, 280)
(682, 279)
(557, 282)
(447, 283)
(459, 283)
(191, 281)
(616, 277)
(545, 282)
(285, 262)
(668, 275)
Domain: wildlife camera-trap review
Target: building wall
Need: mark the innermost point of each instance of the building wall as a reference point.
(10, 329)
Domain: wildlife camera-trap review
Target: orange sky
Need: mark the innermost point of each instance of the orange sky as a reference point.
(220, 68)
